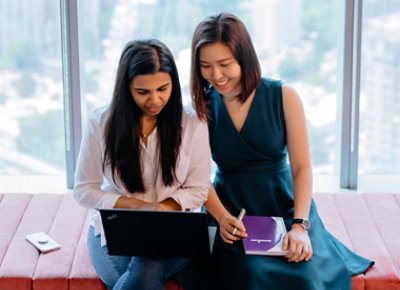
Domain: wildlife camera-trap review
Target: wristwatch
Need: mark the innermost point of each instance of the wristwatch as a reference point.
(303, 222)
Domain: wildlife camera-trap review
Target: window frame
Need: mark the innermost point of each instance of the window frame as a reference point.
(71, 86)
(348, 98)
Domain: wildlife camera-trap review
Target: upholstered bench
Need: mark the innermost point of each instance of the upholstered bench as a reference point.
(367, 223)
(21, 265)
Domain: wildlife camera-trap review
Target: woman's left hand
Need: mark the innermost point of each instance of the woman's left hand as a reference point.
(161, 206)
(167, 204)
(298, 245)
(151, 206)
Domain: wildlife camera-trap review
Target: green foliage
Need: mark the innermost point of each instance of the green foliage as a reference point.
(20, 55)
(42, 136)
(321, 145)
(105, 14)
(305, 68)
(290, 68)
(320, 20)
(26, 85)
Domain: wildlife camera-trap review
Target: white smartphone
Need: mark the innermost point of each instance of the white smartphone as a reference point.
(43, 242)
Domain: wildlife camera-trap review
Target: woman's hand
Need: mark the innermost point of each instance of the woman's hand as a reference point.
(167, 204)
(151, 206)
(297, 244)
(125, 201)
(226, 225)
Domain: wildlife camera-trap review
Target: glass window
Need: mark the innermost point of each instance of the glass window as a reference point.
(379, 101)
(31, 99)
(296, 41)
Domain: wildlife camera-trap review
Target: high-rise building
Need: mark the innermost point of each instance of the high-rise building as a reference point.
(380, 100)
(276, 24)
(37, 28)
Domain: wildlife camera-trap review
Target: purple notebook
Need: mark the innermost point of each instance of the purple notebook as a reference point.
(265, 235)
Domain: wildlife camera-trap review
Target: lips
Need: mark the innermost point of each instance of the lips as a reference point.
(154, 110)
(220, 84)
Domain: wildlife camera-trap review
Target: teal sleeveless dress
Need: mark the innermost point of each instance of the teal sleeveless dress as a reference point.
(253, 173)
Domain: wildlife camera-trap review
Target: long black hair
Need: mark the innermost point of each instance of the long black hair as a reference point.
(122, 130)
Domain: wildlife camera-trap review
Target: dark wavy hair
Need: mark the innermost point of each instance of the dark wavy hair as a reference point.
(122, 130)
(229, 30)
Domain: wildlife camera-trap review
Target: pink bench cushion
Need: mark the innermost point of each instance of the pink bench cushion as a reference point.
(21, 265)
(366, 223)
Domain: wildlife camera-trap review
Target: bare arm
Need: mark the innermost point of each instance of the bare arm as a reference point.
(297, 241)
(298, 148)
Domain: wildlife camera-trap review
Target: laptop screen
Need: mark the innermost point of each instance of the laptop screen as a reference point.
(157, 233)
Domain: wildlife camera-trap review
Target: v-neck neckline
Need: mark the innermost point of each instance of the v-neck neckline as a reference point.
(240, 132)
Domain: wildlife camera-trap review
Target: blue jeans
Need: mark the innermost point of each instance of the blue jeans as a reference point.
(125, 272)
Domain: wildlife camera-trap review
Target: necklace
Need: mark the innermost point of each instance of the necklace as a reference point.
(236, 100)
(145, 135)
(147, 128)
(232, 99)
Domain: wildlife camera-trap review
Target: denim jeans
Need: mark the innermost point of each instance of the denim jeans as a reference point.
(126, 272)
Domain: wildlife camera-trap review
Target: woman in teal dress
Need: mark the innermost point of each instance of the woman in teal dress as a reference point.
(259, 142)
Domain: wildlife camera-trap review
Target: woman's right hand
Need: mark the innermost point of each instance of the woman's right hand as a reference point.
(150, 206)
(226, 226)
(165, 205)
(225, 220)
(125, 201)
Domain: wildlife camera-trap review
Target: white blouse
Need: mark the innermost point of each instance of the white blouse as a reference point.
(96, 189)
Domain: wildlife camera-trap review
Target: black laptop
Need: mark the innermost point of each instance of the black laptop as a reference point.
(157, 233)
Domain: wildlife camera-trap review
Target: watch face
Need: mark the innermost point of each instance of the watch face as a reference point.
(305, 223)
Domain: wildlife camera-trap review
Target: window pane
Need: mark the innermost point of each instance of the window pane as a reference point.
(379, 98)
(31, 99)
(296, 41)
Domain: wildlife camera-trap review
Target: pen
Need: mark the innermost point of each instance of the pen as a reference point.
(240, 217)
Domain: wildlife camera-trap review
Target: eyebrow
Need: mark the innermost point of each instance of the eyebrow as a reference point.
(221, 60)
(160, 87)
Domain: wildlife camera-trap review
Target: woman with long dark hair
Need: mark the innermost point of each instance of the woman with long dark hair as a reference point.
(142, 151)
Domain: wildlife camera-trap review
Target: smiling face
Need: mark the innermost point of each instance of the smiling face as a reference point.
(151, 92)
(219, 67)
